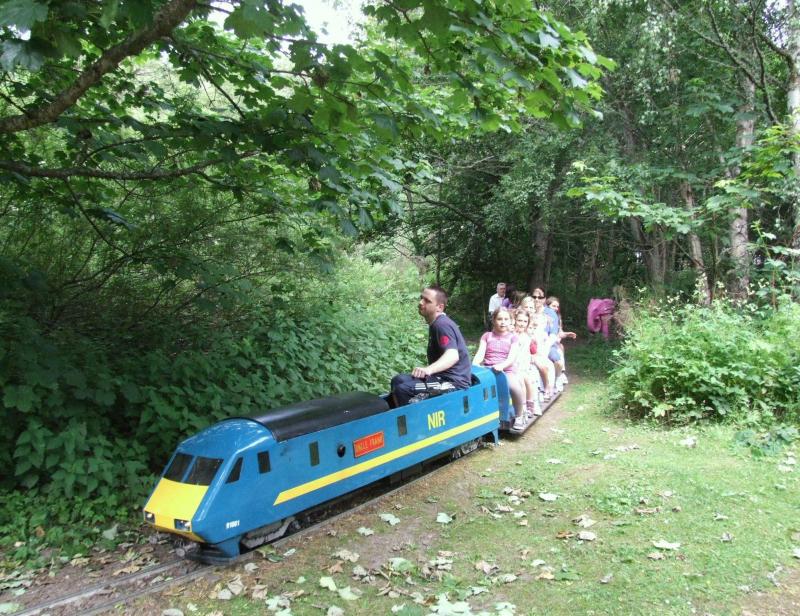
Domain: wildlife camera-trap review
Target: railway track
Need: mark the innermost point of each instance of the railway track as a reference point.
(112, 594)
(76, 602)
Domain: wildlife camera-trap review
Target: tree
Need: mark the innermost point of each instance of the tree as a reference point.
(79, 76)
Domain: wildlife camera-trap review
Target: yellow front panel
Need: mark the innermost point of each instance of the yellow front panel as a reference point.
(172, 500)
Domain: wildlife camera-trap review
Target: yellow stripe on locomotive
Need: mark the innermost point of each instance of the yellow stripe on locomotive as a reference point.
(357, 469)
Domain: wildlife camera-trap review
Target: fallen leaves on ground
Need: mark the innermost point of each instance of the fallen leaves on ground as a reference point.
(546, 574)
(279, 604)
(336, 567)
(487, 568)
(400, 565)
(327, 582)
(346, 555)
(390, 519)
(349, 594)
(584, 521)
(236, 586)
(443, 518)
(259, 592)
(661, 544)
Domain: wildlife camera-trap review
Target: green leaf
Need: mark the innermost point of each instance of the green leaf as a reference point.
(109, 14)
(436, 18)
(386, 124)
(20, 53)
(548, 41)
(22, 14)
(18, 396)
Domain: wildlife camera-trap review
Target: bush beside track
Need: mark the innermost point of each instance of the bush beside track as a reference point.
(682, 363)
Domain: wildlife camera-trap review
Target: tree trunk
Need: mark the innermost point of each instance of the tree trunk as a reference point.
(540, 241)
(548, 261)
(739, 277)
(611, 249)
(793, 100)
(695, 247)
(652, 249)
(593, 259)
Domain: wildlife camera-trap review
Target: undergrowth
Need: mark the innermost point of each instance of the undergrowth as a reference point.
(682, 363)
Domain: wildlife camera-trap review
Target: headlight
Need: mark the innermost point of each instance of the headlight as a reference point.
(149, 517)
(183, 525)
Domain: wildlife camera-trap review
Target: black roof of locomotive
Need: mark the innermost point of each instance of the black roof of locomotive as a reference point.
(301, 418)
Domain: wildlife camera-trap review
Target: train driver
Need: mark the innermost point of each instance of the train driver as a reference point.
(448, 357)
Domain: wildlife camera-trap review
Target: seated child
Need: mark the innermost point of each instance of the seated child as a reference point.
(498, 349)
(543, 340)
(521, 321)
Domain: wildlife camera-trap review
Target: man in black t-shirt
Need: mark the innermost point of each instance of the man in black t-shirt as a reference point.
(448, 358)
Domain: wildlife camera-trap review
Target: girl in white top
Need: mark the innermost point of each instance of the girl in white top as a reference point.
(522, 319)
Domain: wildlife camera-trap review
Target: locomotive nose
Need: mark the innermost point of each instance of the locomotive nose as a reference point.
(172, 507)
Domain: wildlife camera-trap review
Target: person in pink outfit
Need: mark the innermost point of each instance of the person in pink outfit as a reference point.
(498, 350)
(599, 313)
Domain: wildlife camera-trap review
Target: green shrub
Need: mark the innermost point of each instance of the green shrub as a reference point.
(682, 363)
(30, 523)
(84, 419)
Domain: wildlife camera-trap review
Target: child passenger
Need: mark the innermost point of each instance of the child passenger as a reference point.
(552, 309)
(499, 349)
(543, 341)
(521, 321)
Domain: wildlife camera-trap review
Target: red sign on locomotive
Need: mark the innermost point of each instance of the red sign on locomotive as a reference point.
(367, 444)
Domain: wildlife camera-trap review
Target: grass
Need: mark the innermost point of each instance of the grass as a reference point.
(638, 482)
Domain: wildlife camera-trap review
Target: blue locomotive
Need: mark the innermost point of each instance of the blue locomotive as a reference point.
(243, 481)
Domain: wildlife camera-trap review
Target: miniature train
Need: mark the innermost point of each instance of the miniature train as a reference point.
(242, 482)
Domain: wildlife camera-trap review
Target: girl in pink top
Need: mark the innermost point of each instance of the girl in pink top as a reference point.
(499, 349)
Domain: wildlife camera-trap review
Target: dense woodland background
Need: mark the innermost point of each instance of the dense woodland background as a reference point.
(206, 212)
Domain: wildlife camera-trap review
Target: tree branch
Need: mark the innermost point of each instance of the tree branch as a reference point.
(167, 19)
(762, 68)
(446, 206)
(155, 174)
